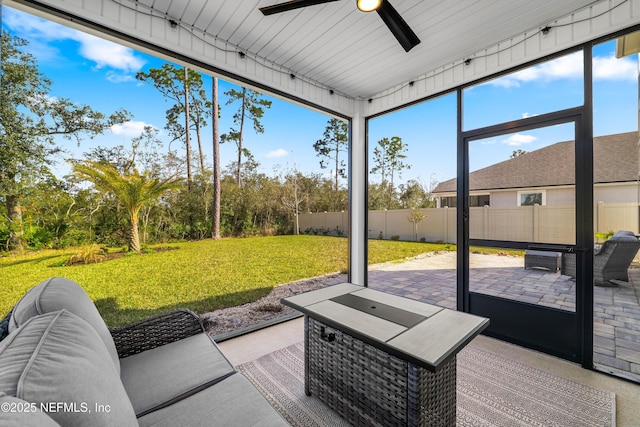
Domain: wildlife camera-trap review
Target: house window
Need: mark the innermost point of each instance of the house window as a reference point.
(530, 198)
(448, 202)
(474, 201)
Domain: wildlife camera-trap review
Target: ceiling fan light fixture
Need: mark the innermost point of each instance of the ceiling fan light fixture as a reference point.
(389, 15)
(368, 5)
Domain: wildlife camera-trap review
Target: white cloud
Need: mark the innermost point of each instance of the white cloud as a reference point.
(280, 152)
(115, 77)
(519, 139)
(566, 67)
(570, 67)
(130, 128)
(107, 54)
(505, 82)
(40, 32)
(30, 26)
(612, 68)
(527, 115)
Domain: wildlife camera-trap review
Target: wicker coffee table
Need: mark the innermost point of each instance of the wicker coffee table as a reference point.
(379, 359)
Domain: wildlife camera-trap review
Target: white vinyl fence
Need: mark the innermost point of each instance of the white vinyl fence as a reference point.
(548, 224)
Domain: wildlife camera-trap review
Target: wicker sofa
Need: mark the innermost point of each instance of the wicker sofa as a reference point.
(61, 366)
(610, 262)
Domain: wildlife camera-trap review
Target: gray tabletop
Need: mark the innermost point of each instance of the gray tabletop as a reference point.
(424, 334)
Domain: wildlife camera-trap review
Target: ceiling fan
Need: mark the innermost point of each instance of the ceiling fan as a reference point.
(398, 27)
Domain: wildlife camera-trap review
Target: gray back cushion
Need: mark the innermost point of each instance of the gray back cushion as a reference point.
(58, 293)
(624, 235)
(18, 413)
(57, 358)
(4, 326)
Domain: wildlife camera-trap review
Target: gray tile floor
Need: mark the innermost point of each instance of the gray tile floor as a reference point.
(432, 279)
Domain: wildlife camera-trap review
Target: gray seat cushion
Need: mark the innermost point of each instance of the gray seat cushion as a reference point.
(160, 376)
(231, 402)
(58, 293)
(19, 413)
(57, 358)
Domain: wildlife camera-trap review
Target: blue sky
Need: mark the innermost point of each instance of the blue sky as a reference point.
(99, 73)
(92, 71)
(429, 128)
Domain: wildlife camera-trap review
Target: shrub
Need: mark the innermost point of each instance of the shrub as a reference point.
(602, 237)
(395, 237)
(73, 237)
(89, 254)
(268, 231)
(4, 235)
(38, 237)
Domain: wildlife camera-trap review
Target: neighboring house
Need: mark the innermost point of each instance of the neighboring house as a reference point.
(547, 176)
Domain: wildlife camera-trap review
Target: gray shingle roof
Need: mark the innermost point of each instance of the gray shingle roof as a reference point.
(615, 160)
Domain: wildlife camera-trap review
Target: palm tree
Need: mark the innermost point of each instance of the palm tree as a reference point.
(132, 190)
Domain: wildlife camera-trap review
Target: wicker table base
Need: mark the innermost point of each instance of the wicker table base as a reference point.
(549, 260)
(369, 387)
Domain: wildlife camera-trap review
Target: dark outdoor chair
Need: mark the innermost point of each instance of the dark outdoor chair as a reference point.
(610, 262)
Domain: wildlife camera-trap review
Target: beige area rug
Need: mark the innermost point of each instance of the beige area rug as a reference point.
(491, 391)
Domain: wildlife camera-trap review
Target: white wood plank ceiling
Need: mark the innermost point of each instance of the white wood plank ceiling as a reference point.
(353, 52)
(335, 47)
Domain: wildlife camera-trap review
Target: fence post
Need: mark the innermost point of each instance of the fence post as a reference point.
(385, 223)
(600, 216)
(446, 224)
(536, 223)
(485, 222)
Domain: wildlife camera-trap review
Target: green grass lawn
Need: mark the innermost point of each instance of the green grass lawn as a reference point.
(203, 276)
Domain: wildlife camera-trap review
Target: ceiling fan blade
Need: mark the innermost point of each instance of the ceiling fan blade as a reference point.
(399, 28)
(290, 5)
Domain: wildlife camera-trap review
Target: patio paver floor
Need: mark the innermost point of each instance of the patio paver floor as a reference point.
(432, 279)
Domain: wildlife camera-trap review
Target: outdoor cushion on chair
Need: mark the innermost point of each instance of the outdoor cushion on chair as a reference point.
(58, 293)
(611, 261)
(57, 358)
(157, 377)
(167, 370)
